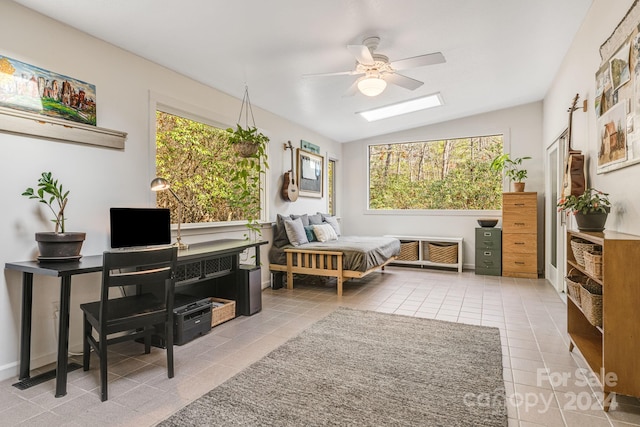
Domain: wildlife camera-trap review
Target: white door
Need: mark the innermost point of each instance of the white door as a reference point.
(554, 227)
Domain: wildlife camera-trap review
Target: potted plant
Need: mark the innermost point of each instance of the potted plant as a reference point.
(58, 245)
(247, 141)
(512, 169)
(591, 209)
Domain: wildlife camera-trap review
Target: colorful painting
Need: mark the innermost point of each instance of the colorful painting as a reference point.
(619, 67)
(29, 88)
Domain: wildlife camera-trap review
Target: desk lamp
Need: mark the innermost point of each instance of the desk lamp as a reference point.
(161, 184)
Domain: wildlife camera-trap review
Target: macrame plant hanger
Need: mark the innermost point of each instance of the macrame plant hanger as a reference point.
(246, 107)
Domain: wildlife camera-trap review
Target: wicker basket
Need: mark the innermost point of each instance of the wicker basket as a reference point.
(408, 251)
(579, 246)
(444, 253)
(593, 263)
(591, 301)
(574, 283)
(225, 312)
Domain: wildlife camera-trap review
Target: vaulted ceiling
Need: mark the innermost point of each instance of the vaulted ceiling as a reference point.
(499, 53)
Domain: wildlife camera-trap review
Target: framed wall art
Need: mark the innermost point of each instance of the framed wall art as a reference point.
(310, 174)
(29, 88)
(617, 96)
(307, 146)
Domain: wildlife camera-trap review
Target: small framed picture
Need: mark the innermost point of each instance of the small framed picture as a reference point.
(310, 174)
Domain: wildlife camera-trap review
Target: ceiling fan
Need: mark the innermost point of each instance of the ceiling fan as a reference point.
(376, 70)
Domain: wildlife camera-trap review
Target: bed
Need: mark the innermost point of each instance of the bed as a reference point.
(345, 258)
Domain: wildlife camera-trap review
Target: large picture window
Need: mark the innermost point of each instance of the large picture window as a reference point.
(197, 160)
(442, 174)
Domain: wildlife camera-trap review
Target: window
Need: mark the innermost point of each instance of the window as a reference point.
(443, 174)
(197, 161)
(331, 193)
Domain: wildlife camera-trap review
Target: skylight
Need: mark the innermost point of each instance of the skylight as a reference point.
(393, 110)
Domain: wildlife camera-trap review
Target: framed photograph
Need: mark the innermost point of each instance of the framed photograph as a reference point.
(310, 174)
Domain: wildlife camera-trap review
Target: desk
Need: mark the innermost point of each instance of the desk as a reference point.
(200, 262)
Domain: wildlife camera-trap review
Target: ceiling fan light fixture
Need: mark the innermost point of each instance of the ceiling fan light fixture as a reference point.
(372, 86)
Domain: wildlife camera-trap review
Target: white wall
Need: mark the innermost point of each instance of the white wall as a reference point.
(577, 75)
(521, 127)
(100, 178)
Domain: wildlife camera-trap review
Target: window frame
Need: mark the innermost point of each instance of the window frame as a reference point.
(506, 147)
(158, 102)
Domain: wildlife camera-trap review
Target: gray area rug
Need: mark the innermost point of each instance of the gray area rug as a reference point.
(362, 368)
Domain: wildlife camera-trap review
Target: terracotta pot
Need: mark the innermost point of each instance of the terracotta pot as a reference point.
(592, 221)
(60, 246)
(518, 187)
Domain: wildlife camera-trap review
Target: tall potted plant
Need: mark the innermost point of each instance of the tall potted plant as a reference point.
(512, 169)
(58, 245)
(591, 209)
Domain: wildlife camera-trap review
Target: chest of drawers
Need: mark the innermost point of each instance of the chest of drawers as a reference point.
(520, 234)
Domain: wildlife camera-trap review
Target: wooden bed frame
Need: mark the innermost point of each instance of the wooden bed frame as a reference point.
(320, 263)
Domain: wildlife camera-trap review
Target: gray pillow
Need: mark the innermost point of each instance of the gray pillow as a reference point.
(280, 238)
(304, 218)
(333, 221)
(295, 231)
(315, 219)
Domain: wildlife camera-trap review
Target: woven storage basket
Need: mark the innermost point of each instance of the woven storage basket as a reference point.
(445, 253)
(579, 246)
(223, 313)
(591, 301)
(408, 251)
(593, 263)
(574, 283)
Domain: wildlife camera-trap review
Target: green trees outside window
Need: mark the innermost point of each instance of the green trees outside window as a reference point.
(443, 174)
(198, 162)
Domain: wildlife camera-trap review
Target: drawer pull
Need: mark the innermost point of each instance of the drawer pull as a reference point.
(487, 234)
(519, 262)
(518, 223)
(518, 243)
(518, 204)
(487, 253)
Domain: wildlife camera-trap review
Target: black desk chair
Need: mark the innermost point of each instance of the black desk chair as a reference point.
(152, 271)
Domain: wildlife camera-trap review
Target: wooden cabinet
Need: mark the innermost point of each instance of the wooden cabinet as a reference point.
(488, 251)
(610, 350)
(520, 234)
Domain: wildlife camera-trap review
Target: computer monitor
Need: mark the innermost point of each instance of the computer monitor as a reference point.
(134, 227)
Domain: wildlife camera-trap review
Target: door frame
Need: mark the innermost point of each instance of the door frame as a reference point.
(554, 220)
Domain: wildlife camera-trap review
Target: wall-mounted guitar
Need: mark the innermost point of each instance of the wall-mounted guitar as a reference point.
(289, 186)
(575, 180)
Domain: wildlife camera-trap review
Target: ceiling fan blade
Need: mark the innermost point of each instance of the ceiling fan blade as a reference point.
(403, 81)
(339, 73)
(419, 61)
(362, 53)
(353, 89)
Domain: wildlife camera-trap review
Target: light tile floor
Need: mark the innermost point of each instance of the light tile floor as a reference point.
(545, 384)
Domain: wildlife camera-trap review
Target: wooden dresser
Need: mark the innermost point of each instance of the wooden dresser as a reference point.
(520, 235)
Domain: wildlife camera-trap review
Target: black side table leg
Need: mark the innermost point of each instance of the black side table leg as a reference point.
(63, 336)
(25, 325)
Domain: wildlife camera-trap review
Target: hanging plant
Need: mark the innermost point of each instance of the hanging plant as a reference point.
(247, 141)
(247, 177)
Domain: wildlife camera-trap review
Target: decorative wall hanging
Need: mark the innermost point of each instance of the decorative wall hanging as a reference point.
(617, 100)
(307, 146)
(310, 174)
(29, 88)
